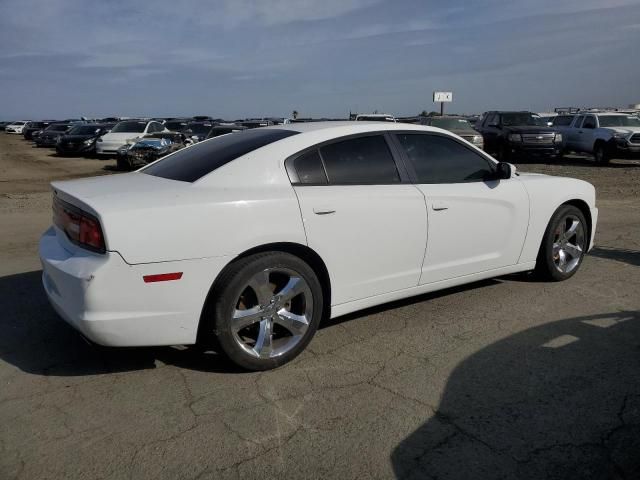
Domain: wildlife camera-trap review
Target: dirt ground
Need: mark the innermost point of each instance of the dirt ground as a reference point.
(508, 378)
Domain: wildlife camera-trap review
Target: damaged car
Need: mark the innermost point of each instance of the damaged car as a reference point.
(141, 151)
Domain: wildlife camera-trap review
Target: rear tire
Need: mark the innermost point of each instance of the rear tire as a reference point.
(563, 246)
(265, 310)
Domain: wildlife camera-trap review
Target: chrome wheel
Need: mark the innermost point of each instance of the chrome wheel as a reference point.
(568, 243)
(272, 313)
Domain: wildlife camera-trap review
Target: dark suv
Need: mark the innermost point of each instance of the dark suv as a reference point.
(513, 134)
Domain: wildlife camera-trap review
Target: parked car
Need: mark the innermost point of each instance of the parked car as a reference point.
(150, 148)
(224, 129)
(198, 131)
(177, 124)
(254, 123)
(81, 139)
(604, 135)
(50, 135)
(513, 134)
(375, 117)
(126, 130)
(3, 125)
(458, 125)
(15, 127)
(31, 127)
(252, 238)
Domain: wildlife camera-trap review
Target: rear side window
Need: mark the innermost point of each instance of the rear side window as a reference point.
(309, 168)
(192, 163)
(361, 160)
(438, 159)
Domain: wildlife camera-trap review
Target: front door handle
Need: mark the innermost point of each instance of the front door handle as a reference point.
(323, 211)
(439, 206)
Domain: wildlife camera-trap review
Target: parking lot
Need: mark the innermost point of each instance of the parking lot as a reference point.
(507, 378)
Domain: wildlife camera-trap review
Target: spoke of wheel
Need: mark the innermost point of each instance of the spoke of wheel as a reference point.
(574, 250)
(556, 249)
(261, 286)
(293, 288)
(571, 231)
(295, 324)
(244, 318)
(263, 344)
(562, 259)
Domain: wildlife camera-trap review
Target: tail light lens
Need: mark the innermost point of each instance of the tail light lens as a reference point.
(81, 228)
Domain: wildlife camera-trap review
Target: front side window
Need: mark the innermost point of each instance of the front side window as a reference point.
(438, 159)
(589, 122)
(578, 123)
(361, 160)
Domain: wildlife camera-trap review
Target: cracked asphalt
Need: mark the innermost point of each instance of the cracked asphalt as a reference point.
(507, 378)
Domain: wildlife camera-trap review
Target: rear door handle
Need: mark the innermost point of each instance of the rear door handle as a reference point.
(438, 206)
(323, 210)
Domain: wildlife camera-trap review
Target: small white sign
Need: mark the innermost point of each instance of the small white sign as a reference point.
(442, 97)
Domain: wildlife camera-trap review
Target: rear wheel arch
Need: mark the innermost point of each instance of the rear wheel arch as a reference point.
(303, 252)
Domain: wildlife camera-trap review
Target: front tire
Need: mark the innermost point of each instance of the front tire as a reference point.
(601, 154)
(563, 246)
(265, 310)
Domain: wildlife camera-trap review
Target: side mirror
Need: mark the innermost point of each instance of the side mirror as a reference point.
(505, 171)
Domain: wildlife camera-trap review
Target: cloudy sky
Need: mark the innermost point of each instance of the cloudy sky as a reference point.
(237, 58)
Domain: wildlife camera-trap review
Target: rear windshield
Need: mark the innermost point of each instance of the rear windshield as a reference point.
(192, 163)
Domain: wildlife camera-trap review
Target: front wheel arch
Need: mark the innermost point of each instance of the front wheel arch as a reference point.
(303, 252)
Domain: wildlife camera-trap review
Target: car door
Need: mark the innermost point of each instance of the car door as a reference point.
(588, 134)
(491, 132)
(476, 224)
(361, 215)
(574, 134)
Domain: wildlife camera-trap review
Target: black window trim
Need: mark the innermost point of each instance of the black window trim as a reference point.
(493, 165)
(396, 155)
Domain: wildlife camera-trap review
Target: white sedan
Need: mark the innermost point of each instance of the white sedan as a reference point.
(16, 127)
(251, 239)
(110, 143)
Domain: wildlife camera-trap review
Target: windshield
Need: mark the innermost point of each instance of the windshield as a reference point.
(129, 127)
(619, 121)
(84, 130)
(521, 119)
(175, 126)
(451, 123)
(199, 127)
(365, 118)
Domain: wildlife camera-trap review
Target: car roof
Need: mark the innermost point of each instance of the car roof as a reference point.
(348, 127)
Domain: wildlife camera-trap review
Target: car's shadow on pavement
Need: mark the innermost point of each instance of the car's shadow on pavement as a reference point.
(624, 255)
(561, 400)
(37, 341)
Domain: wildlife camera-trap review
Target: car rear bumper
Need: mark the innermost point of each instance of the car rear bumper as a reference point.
(110, 303)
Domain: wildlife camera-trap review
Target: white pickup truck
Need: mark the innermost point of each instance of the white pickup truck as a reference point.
(605, 135)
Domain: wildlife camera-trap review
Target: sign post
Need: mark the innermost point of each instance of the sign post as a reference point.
(442, 97)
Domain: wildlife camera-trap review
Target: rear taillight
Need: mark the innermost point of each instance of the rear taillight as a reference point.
(81, 228)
